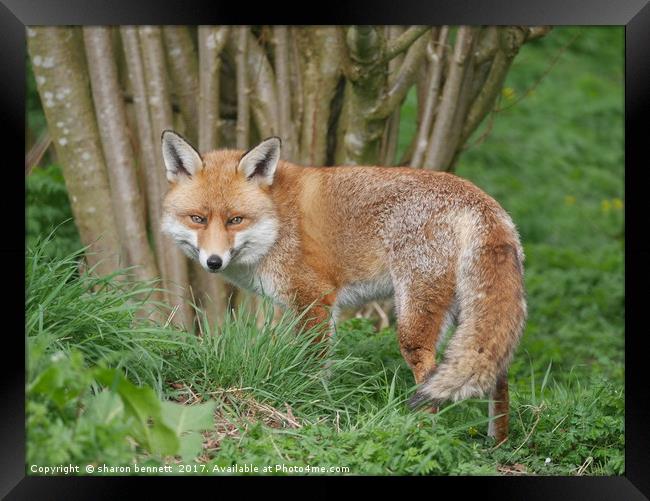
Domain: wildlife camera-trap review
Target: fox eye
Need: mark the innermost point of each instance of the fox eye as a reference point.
(198, 219)
(235, 220)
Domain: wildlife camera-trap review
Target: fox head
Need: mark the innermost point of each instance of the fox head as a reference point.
(218, 208)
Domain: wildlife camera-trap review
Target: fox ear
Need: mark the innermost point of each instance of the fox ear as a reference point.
(260, 162)
(181, 159)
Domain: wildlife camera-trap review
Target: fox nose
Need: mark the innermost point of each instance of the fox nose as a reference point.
(214, 262)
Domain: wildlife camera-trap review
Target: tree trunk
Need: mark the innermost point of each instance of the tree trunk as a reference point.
(211, 42)
(260, 85)
(437, 60)
(369, 99)
(441, 148)
(61, 77)
(320, 61)
(505, 46)
(154, 176)
(243, 90)
(183, 69)
(286, 125)
(111, 119)
(176, 276)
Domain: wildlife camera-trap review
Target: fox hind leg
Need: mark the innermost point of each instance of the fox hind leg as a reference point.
(499, 409)
(421, 314)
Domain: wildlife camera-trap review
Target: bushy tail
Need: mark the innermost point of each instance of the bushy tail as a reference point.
(492, 316)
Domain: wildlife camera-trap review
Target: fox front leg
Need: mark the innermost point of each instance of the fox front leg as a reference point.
(318, 316)
(315, 308)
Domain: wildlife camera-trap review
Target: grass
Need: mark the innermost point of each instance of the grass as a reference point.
(554, 160)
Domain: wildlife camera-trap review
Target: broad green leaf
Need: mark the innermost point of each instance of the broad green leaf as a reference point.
(191, 445)
(141, 402)
(182, 418)
(162, 439)
(105, 407)
(47, 381)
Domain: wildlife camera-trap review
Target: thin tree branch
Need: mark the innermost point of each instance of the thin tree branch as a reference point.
(485, 99)
(392, 33)
(436, 54)
(509, 41)
(36, 152)
(391, 129)
(492, 106)
(261, 86)
(487, 38)
(403, 80)
(459, 118)
(403, 42)
(548, 69)
(421, 84)
(535, 32)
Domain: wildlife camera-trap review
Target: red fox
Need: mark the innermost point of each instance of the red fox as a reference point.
(329, 237)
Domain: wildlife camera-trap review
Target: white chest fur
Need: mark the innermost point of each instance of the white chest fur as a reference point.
(248, 278)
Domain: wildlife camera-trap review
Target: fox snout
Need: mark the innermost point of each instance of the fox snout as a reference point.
(214, 262)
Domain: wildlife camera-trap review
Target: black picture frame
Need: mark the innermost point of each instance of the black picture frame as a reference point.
(633, 14)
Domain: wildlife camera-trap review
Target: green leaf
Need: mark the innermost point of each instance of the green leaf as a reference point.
(191, 445)
(105, 407)
(143, 404)
(140, 402)
(182, 418)
(58, 382)
(48, 380)
(162, 439)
